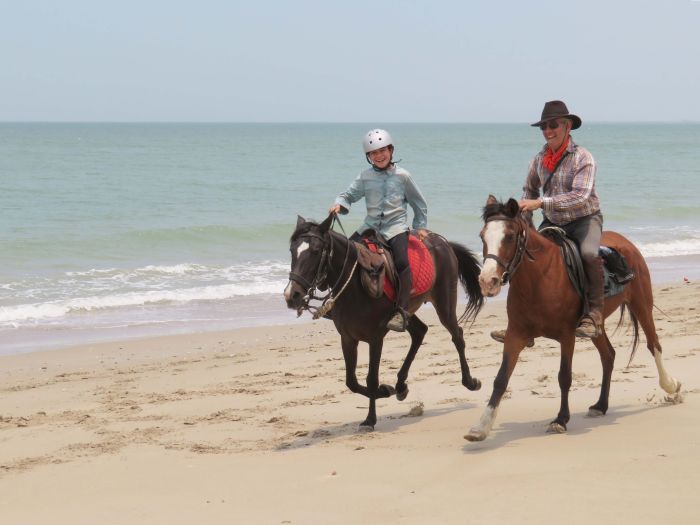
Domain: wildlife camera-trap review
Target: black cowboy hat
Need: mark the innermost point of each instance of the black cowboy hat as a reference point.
(557, 109)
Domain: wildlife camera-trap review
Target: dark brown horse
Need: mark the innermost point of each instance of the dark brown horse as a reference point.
(325, 260)
(542, 302)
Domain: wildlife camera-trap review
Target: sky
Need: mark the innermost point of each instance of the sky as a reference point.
(348, 61)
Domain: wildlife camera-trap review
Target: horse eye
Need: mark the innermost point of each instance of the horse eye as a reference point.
(509, 237)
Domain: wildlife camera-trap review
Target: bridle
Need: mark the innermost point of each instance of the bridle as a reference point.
(521, 250)
(324, 262)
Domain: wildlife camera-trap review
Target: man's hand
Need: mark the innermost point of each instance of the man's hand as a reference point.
(334, 209)
(530, 204)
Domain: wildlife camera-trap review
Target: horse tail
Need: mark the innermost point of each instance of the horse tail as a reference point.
(635, 328)
(468, 270)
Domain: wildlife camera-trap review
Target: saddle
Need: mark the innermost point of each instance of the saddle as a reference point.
(616, 272)
(377, 269)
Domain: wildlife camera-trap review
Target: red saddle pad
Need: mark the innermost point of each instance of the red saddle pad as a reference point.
(422, 268)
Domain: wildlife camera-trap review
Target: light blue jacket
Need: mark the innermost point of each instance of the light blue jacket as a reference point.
(386, 194)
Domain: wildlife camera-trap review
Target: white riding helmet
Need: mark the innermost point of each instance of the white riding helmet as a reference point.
(376, 139)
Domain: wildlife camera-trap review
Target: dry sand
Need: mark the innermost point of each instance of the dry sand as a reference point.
(256, 426)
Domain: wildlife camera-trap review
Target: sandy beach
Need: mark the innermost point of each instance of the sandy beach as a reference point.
(256, 426)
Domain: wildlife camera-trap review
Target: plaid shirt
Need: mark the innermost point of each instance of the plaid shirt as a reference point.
(570, 194)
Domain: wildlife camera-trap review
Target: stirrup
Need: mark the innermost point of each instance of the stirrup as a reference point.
(587, 328)
(397, 323)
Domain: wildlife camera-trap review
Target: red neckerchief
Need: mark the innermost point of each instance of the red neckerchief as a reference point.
(551, 159)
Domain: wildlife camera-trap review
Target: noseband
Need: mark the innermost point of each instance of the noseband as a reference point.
(511, 266)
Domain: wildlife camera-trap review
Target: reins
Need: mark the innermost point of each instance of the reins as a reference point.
(327, 301)
(520, 251)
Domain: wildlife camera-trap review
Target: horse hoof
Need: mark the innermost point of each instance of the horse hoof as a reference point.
(595, 412)
(475, 435)
(387, 390)
(556, 428)
(366, 427)
(402, 394)
(473, 385)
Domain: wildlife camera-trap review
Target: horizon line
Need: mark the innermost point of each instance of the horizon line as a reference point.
(328, 122)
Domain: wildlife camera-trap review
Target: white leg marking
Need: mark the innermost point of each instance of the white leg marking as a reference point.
(666, 381)
(483, 429)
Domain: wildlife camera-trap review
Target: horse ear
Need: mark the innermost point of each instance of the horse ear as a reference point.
(491, 200)
(326, 225)
(300, 221)
(512, 207)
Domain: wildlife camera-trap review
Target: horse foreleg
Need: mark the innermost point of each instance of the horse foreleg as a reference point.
(511, 350)
(417, 329)
(558, 425)
(350, 356)
(607, 360)
(373, 390)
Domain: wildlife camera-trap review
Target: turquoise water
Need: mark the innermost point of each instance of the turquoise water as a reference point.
(117, 230)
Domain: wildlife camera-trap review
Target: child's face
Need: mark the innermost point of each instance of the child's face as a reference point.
(381, 157)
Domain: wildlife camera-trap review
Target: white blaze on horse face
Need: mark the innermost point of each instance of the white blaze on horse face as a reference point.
(493, 235)
(302, 248)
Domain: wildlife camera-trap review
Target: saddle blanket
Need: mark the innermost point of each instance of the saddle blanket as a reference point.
(422, 268)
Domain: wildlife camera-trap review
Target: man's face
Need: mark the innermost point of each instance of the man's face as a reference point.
(555, 132)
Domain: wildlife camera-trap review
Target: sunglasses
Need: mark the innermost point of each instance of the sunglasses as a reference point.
(552, 124)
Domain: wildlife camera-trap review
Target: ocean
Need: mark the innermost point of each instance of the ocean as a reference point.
(112, 231)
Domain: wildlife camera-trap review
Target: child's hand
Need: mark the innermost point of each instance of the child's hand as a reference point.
(422, 234)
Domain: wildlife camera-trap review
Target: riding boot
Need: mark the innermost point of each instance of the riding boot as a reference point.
(500, 336)
(591, 324)
(400, 317)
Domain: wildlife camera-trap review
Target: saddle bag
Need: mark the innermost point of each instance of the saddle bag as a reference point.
(372, 271)
(616, 264)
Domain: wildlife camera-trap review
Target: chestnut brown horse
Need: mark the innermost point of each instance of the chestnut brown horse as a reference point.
(542, 302)
(325, 260)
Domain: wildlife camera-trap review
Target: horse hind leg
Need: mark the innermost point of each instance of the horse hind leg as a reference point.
(644, 315)
(446, 308)
(667, 382)
(607, 360)
(417, 329)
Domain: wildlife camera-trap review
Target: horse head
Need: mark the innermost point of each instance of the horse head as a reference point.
(504, 236)
(310, 248)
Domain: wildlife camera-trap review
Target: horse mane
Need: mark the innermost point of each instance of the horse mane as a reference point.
(509, 209)
(308, 225)
(303, 228)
